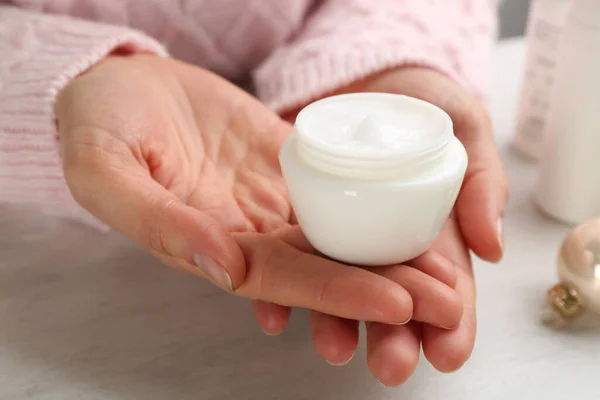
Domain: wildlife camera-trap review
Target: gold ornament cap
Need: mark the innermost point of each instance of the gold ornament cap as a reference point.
(564, 304)
(579, 274)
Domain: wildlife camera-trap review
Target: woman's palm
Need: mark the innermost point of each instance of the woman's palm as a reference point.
(232, 171)
(224, 165)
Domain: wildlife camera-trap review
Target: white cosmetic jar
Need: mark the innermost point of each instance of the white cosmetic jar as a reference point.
(372, 177)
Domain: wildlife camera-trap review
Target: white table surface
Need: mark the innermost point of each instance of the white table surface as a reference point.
(85, 315)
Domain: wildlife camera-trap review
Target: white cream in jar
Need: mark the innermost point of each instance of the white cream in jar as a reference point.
(372, 177)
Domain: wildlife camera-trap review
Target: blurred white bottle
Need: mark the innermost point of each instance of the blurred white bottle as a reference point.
(545, 23)
(568, 186)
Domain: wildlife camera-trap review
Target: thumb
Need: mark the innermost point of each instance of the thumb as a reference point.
(480, 210)
(484, 194)
(123, 195)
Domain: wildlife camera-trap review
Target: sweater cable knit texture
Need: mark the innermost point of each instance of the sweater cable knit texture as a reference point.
(295, 51)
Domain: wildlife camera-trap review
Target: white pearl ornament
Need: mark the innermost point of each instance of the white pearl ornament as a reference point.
(579, 275)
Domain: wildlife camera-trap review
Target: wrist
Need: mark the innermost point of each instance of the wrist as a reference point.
(105, 68)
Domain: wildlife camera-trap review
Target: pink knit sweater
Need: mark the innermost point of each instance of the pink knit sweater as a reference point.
(295, 50)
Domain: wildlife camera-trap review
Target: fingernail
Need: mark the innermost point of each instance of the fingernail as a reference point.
(500, 229)
(447, 328)
(342, 363)
(271, 333)
(382, 384)
(402, 323)
(214, 271)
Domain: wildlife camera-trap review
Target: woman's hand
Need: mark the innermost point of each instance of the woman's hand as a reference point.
(185, 163)
(484, 194)
(475, 223)
(393, 350)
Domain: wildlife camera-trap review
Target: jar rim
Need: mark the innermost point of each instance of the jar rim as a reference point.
(441, 138)
(370, 162)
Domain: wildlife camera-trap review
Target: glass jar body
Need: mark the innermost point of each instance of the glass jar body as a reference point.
(370, 221)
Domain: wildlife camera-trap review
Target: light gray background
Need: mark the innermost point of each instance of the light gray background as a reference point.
(513, 17)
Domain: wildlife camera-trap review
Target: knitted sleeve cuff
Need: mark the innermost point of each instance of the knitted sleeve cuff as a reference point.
(41, 54)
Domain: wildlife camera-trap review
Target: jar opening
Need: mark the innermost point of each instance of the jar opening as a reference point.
(371, 135)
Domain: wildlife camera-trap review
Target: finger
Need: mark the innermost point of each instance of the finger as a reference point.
(294, 236)
(279, 273)
(430, 284)
(484, 194)
(272, 318)
(449, 350)
(431, 262)
(392, 352)
(437, 266)
(335, 339)
(123, 195)
(433, 302)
